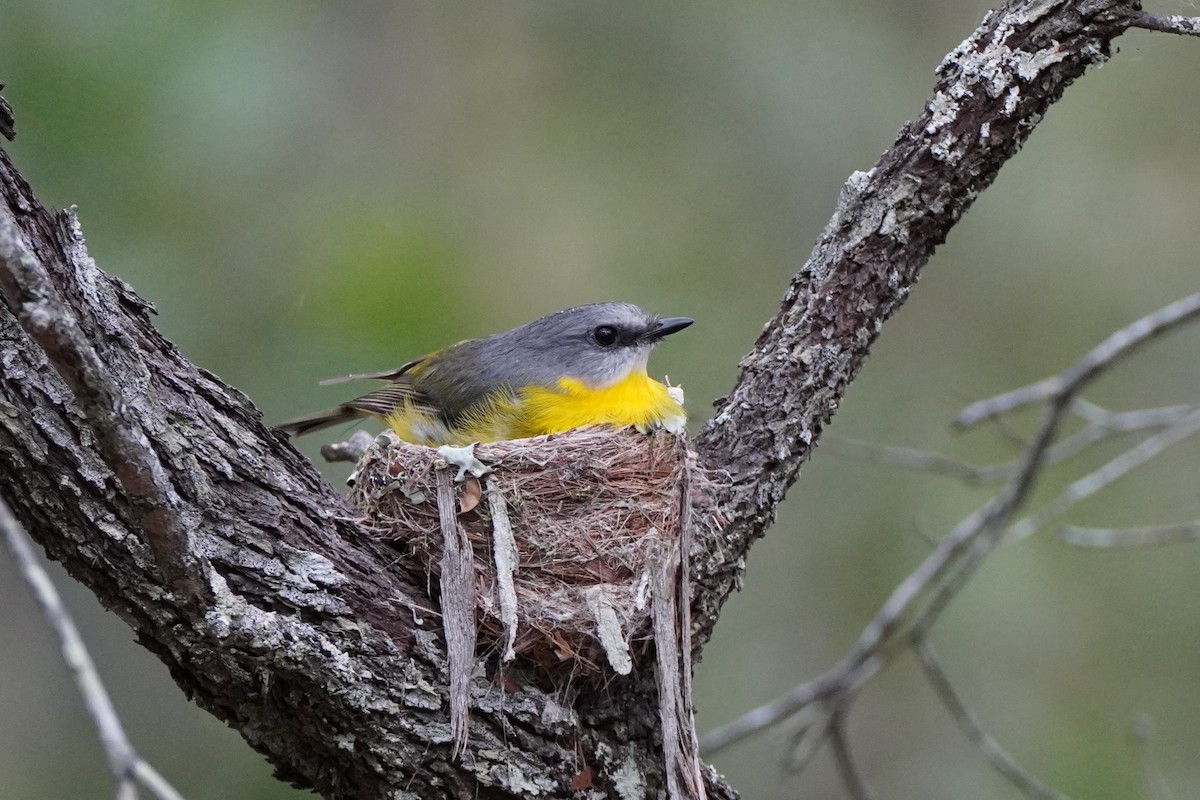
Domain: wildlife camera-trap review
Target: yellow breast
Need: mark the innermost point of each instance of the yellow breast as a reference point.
(636, 400)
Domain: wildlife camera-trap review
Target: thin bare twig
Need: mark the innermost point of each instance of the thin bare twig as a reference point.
(912, 459)
(913, 607)
(1103, 425)
(124, 764)
(1092, 483)
(994, 407)
(852, 777)
(1167, 23)
(916, 602)
(1146, 536)
(812, 728)
(1116, 346)
(992, 751)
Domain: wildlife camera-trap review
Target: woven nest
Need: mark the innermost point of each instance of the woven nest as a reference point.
(595, 514)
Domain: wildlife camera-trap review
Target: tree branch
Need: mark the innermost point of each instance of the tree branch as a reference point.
(992, 751)
(119, 439)
(307, 636)
(1117, 345)
(852, 777)
(1114, 469)
(992, 91)
(1102, 426)
(1167, 23)
(1145, 536)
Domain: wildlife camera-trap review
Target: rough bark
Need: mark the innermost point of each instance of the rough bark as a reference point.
(245, 572)
(992, 91)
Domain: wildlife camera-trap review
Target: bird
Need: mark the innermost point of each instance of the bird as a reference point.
(580, 366)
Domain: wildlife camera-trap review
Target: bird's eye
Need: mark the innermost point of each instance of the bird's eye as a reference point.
(605, 335)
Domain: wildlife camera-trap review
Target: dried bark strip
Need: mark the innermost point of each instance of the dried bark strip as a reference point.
(458, 609)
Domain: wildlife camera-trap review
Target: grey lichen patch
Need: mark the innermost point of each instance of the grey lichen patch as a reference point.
(943, 109)
(944, 149)
(309, 570)
(504, 767)
(1011, 101)
(224, 606)
(628, 780)
(418, 692)
(854, 186)
(988, 69)
(1094, 53)
(280, 640)
(362, 691)
(1030, 65)
(991, 65)
(111, 528)
(871, 217)
(995, 66)
(321, 602)
(1035, 11)
(556, 716)
(901, 209)
(850, 200)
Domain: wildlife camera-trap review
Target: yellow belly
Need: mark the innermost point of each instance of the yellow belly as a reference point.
(636, 400)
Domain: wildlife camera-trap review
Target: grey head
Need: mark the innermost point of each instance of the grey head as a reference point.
(596, 344)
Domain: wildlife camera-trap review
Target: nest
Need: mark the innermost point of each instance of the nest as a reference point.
(595, 516)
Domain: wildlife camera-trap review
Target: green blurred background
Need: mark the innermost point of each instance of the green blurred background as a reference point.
(306, 190)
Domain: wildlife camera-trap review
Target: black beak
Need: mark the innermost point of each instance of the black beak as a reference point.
(665, 327)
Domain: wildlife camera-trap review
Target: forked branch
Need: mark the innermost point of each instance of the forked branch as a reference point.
(161, 489)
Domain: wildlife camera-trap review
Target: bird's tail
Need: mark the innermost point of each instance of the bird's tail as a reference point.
(321, 419)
